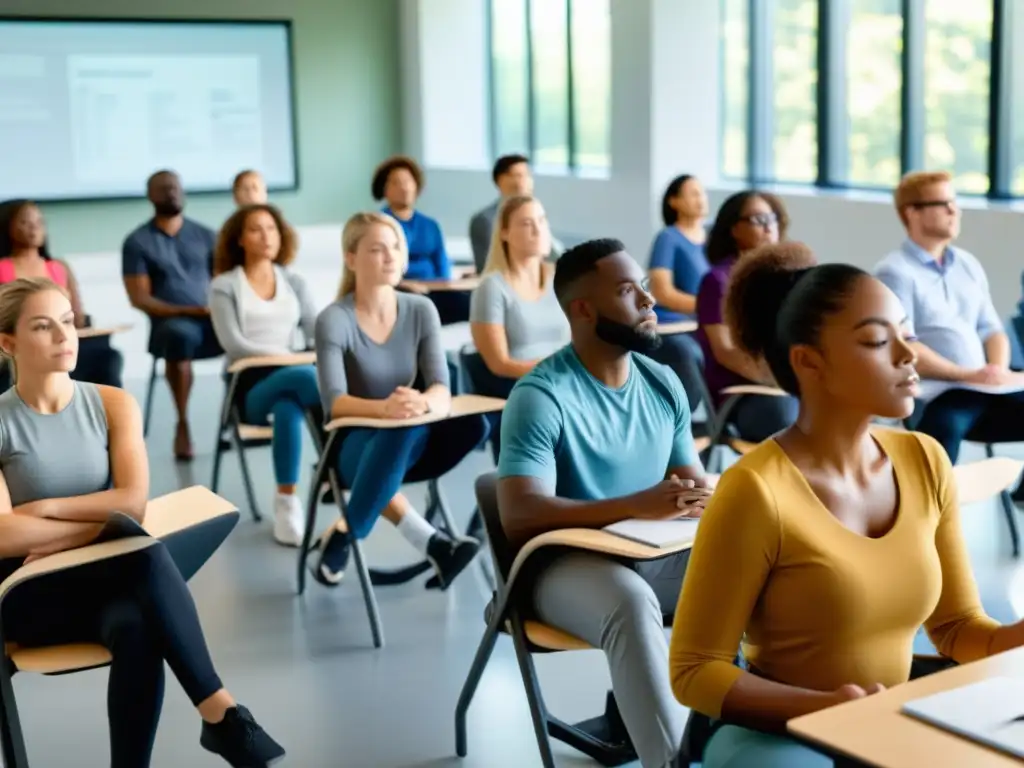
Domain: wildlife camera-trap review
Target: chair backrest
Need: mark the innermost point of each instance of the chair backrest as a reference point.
(692, 374)
(501, 550)
(480, 379)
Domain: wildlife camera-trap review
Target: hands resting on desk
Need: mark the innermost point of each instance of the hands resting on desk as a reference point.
(675, 498)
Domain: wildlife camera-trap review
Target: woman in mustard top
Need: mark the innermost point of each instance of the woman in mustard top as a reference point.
(825, 548)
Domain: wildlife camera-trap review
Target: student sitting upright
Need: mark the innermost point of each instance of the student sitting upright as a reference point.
(137, 605)
(374, 347)
(24, 253)
(677, 256)
(745, 222)
(825, 549)
(514, 314)
(249, 188)
(592, 435)
(257, 304)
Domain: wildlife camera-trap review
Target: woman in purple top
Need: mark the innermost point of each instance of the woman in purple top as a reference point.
(745, 221)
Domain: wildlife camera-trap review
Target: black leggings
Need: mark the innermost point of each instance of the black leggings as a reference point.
(139, 608)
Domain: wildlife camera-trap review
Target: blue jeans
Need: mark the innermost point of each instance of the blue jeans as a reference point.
(374, 463)
(758, 417)
(735, 747)
(287, 394)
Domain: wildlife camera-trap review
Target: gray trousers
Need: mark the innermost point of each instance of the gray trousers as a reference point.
(619, 608)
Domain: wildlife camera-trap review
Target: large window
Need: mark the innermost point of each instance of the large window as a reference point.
(551, 83)
(853, 93)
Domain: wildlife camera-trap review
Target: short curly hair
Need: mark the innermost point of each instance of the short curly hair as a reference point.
(229, 252)
(380, 175)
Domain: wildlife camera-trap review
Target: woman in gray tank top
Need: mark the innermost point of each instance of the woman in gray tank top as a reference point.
(71, 454)
(379, 355)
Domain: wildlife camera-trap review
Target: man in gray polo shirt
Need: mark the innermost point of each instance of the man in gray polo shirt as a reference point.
(958, 335)
(166, 265)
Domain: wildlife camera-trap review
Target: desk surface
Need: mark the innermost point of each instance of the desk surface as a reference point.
(432, 286)
(462, 405)
(91, 332)
(683, 326)
(875, 732)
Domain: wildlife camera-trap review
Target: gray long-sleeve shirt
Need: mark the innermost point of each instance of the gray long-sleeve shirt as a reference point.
(248, 326)
(348, 362)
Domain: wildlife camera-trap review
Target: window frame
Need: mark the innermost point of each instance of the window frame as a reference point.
(571, 140)
(831, 112)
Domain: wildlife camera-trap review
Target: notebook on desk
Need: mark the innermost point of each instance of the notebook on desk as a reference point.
(662, 534)
(990, 712)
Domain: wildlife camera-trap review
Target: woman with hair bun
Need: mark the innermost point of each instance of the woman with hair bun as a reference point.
(804, 537)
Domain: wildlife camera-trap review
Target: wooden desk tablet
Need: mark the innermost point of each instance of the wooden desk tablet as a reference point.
(273, 361)
(683, 326)
(873, 732)
(462, 405)
(432, 286)
(92, 332)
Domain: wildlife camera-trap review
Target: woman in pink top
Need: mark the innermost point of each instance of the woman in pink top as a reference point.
(24, 253)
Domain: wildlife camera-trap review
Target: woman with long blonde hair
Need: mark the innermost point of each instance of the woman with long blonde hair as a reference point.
(514, 317)
(379, 355)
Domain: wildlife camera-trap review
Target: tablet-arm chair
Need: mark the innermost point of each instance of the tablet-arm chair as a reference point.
(462, 406)
(603, 738)
(191, 523)
(232, 430)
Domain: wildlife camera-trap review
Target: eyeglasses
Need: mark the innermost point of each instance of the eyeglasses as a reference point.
(763, 220)
(949, 205)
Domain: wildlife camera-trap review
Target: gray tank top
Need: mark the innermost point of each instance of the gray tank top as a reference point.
(54, 455)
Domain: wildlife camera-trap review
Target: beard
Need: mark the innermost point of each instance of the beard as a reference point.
(629, 337)
(168, 208)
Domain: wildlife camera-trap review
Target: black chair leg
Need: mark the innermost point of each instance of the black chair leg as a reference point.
(538, 712)
(369, 598)
(1010, 510)
(254, 508)
(476, 671)
(312, 501)
(13, 741)
(218, 453)
(148, 411)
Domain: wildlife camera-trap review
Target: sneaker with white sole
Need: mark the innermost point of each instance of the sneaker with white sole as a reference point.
(289, 520)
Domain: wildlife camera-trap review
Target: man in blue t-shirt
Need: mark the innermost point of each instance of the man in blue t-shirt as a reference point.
(592, 435)
(166, 265)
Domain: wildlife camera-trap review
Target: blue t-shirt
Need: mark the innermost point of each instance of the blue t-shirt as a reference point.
(428, 259)
(586, 441)
(675, 251)
(178, 267)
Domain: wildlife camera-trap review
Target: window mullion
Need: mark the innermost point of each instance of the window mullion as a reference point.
(761, 120)
(833, 117)
(1000, 114)
(570, 90)
(912, 123)
(531, 91)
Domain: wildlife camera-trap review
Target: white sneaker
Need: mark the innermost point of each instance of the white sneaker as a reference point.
(289, 520)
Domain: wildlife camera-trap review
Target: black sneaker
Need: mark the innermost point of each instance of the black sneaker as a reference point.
(334, 551)
(239, 739)
(449, 558)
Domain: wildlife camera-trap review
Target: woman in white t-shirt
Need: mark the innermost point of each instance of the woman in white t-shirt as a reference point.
(514, 317)
(257, 306)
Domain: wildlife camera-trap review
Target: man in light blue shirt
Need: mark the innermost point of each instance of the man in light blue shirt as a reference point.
(592, 435)
(959, 337)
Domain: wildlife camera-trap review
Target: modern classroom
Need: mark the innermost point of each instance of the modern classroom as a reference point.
(676, 342)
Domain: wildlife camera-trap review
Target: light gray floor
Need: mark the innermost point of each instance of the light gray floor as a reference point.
(306, 667)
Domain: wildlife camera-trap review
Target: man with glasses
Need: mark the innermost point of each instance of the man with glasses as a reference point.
(958, 335)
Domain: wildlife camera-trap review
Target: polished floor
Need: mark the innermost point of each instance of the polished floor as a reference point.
(306, 666)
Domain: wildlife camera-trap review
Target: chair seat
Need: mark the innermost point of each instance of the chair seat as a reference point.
(253, 432)
(551, 639)
(57, 659)
(701, 443)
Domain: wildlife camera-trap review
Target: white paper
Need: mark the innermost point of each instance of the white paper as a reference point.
(984, 712)
(656, 533)
(929, 389)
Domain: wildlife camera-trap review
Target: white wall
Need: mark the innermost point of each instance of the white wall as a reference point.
(665, 87)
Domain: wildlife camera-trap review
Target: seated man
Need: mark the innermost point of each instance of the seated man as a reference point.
(959, 335)
(512, 177)
(592, 435)
(249, 188)
(166, 265)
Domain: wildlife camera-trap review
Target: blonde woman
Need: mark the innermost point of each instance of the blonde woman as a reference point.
(379, 354)
(137, 606)
(514, 317)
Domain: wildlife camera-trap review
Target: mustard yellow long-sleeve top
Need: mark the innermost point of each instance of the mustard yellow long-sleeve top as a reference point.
(817, 605)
